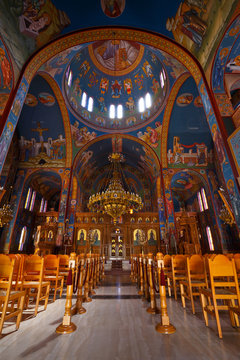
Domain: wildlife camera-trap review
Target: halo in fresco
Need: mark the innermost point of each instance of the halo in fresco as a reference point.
(113, 8)
(124, 74)
(31, 100)
(184, 99)
(46, 99)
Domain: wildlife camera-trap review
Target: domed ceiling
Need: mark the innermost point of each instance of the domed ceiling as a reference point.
(115, 85)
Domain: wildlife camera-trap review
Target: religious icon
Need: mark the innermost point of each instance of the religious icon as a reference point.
(113, 8)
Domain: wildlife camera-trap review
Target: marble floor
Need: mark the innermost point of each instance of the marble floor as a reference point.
(116, 326)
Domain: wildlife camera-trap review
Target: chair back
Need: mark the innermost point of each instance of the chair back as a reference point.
(179, 262)
(222, 272)
(64, 262)
(33, 268)
(6, 269)
(167, 261)
(51, 265)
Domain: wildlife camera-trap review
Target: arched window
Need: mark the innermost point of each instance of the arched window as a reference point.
(119, 111)
(112, 111)
(84, 99)
(90, 104)
(22, 238)
(45, 206)
(141, 105)
(32, 201)
(42, 205)
(204, 199)
(27, 202)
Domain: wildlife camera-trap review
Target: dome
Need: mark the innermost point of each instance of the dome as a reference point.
(115, 85)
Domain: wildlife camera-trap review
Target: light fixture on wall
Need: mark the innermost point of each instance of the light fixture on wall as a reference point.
(114, 199)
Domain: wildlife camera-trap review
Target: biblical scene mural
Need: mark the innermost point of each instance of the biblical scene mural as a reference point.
(30, 25)
(196, 24)
(184, 150)
(227, 57)
(115, 85)
(6, 76)
(39, 146)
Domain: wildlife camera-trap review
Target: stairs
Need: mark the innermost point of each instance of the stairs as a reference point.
(116, 264)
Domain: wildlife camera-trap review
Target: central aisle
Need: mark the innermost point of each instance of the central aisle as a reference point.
(116, 326)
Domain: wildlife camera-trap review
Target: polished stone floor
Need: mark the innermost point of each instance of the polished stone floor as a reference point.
(116, 326)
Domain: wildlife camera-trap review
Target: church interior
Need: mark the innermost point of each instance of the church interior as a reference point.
(120, 164)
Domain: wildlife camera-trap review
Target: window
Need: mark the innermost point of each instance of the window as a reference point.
(84, 99)
(200, 202)
(42, 205)
(161, 80)
(90, 104)
(141, 105)
(32, 201)
(112, 112)
(70, 79)
(119, 112)
(204, 199)
(148, 100)
(27, 202)
(22, 238)
(45, 206)
(210, 240)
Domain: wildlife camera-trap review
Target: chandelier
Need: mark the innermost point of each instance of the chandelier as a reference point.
(6, 213)
(114, 200)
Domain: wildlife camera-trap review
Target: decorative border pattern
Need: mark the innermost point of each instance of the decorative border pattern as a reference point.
(86, 36)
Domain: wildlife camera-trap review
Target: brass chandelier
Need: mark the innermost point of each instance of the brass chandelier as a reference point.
(114, 200)
(6, 213)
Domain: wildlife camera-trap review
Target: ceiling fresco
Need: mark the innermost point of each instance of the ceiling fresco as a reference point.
(47, 183)
(115, 74)
(189, 138)
(40, 128)
(93, 161)
(28, 25)
(184, 185)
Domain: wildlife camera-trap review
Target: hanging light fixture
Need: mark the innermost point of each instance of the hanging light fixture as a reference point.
(114, 200)
(6, 213)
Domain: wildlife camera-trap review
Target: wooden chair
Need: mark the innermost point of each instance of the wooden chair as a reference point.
(51, 274)
(64, 266)
(11, 302)
(178, 273)
(33, 280)
(17, 271)
(196, 278)
(224, 287)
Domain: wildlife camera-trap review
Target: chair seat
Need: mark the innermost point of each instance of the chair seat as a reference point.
(34, 283)
(222, 291)
(53, 277)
